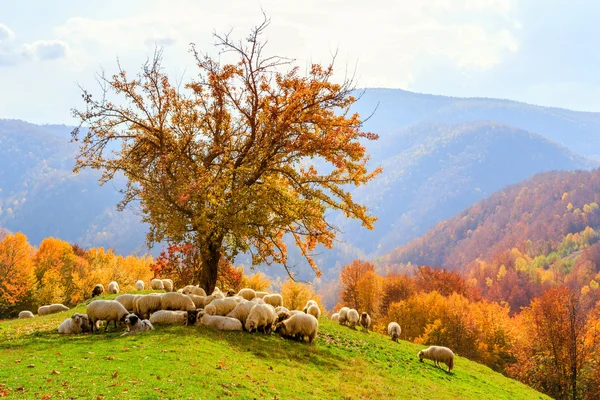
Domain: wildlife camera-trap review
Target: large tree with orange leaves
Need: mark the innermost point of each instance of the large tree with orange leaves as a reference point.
(234, 160)
(16, 270)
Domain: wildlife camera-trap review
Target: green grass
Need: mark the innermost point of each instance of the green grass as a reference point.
(202, 363)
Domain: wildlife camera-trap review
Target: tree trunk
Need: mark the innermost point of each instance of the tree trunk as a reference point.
(210, 267)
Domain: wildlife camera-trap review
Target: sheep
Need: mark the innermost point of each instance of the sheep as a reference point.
(343, 319)
(241, 311)
(394, 330)
(282, 314)
(438, 354)
(52, 309)
(247, 293)
(139, 285)
(157, 284)
(308, 304)
(365, 321)
(209, 299)
(128, 300)
(191, 289)
(106, 310)
(299, 326)
(274, 299)
(296, 312)
(221, 306)
(335, 317)
(136, 325)
(170, 317)
(216, 290)
(113, 287)
(25, 314)
(198, 300)
(313, 310)
(258, 300)
(352, 318)
(261, 316)
(98, 290)
(176, 301)
(167, 285)
(230, 293)
(146, 305)
(261, 295)
(220, 322)
(78, 323)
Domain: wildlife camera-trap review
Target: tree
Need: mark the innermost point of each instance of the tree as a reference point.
(350, 278)
(182, 262)
(235, 160)
(16, 270)
(230, 277)
(296, 294)
(259, 282)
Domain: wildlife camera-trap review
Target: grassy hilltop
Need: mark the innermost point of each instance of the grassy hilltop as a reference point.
(199, 362)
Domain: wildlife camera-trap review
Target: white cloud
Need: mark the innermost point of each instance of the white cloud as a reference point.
(45, 49)
(6, 34)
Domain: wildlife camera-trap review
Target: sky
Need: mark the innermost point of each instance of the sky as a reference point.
(537, 51)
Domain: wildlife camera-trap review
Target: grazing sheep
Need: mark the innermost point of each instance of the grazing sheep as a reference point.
(220, 322)
(282, 314)
(394, 330)
(78, 323)
(167, 285)
(296, 312)
(274, 299)
(157, 284)
(365, 321)
(261, 316)
(241, 311)
(335, 317)
(258, 300)
(136, 325)
(128, 300)
(352, 318)
(343, 319)
(299, 326)
(106, 310)
(25, 314)
(52, 309)
(191, 289)
(313, 310)
(221, 306)
(261, 295)
(167, 317)
(438, 354)
(247, 293)
(139, 285)
(113, 287)
(198, 300)
(98, 290)
(176, 301)
(308, 304)
(146, 305)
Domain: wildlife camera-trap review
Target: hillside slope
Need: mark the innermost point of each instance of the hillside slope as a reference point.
(199, 362)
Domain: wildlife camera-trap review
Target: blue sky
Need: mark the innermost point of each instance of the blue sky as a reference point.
(537, 51)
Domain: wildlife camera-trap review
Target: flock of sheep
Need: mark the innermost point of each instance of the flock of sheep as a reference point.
(247, 310)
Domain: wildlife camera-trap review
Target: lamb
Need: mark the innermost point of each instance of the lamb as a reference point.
(247, 293)
(314, 310)
(139, 285)
(438, 354)
(220, 322)
(191, 289)
(335, 317)
(106, 310)
(25, 314)
(198, 300)
(52, 309)
(113, 287)
(365, 321)
(98, 290)
(78, 323)
(146, 305)
(308, 304)
(136, 325)
(299, 326)
(261, 316)
(157, 284)
(353, 318)
(128, 300)
(343, 319)
(176, 301)
(221, 306)
(167, 285)
(394, 330)
(274, 299)
(261, 295)
(241, 311)
(170, 317)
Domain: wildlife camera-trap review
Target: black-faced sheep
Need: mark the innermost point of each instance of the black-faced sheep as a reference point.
(343, 315)
(299, 326)
(78, 323)
(220, 322)
(98, 290)
(438, 354)
(25, 314)
(146, 305)
(113, 287)
(128, 300)
(365, 321)
(314, 310)
(352, 318)
(230, 293)
(106, 310)
(393, 329)
(136, 325)
(52, 309)
(157, 284)
(176, 301)
(139, 285)
(262, 316)
(247, 293)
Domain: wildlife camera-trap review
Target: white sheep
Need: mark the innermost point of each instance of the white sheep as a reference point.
(136, 325)
(241, 311)
(353, 318)
(438, 354)
(128, 300)
(146, 305)
(191, 289)
(52, 309)
(282, 314)
(157, 284)
(335, 317)
(393, 329)
(98, 290)
(168, 317)
(167, 285)
(247, 293)
(139, 285)
(296, 312)
(78, 323)
(209, 299)
(261, 295)
(314, 310)
(274, 299)
(106, 310)
(299, 326)
(261, 316)
(220, 322)
(198, 300)
(113, 287)
(25, 314)
(343, 318)
(176, 301)
(258, 300)
(308, 304)
(365, 321)
(221, 306)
